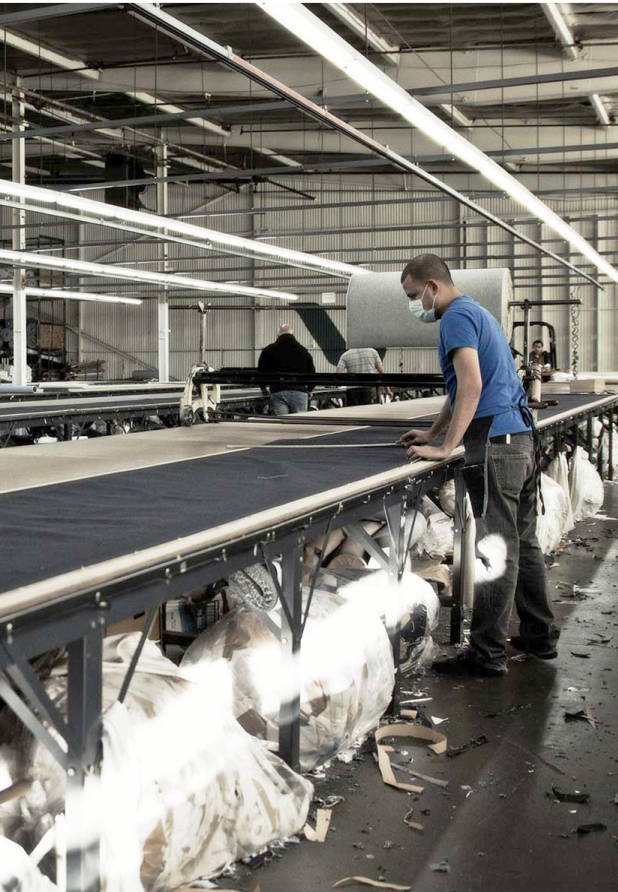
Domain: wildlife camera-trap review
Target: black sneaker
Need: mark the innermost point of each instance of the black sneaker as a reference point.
(545, 650)
(466, 665)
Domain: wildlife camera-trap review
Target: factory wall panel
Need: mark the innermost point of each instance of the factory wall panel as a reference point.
(383, 236)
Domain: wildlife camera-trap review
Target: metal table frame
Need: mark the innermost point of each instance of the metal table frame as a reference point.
(78, 622)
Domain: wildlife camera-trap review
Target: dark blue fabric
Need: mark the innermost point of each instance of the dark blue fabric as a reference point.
(465, 323)
(49, 530)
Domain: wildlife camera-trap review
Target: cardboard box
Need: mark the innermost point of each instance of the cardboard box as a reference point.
(135, 624)
(588, 385)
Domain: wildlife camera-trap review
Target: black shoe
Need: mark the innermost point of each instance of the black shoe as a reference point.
(545, 650)
(466, 665)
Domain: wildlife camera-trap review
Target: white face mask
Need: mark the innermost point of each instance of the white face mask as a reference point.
(416, 308)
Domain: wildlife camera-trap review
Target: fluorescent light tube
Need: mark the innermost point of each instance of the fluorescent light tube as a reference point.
(309, 28)
(561, 29)
(83, 267)
(154, 225)
(457, 115)
(600, 109)
(58, 294)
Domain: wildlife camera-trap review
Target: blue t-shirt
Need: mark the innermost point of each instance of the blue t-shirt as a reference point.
(465, 323)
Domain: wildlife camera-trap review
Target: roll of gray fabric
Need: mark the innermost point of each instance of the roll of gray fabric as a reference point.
(378, 310)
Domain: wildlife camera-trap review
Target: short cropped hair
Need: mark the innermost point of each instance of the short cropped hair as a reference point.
(427, 266)
(538, 341)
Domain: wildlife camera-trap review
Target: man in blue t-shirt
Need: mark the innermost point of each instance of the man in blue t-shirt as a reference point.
(487, 409)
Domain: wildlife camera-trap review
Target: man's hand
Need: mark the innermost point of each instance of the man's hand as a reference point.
(415, 436)
(429, 453)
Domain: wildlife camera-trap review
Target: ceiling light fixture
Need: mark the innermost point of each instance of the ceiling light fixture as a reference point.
(346, 13)
(84, 268)
(312, 30)
(600, 109)
(179, 31)
(59, 294)
(458, 116)
(164, 227)
(562, 31)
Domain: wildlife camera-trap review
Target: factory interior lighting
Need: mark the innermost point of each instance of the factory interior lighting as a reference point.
(316, 34)
(59, 294)
(458, 116)
(600, 110)
(85, 268)
(561, 29)
(359, 25)
(164, 227)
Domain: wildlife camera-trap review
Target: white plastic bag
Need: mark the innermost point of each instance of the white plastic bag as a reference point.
(558, 470)
(551, 526)
(18, 873)
(586, 486)
(438, 541)
(446, 497)
(346, 667)
(413, 604)
(184, 790)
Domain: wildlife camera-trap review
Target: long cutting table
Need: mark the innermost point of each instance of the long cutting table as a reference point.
(95, 531)
(80, 513)
(70, 412)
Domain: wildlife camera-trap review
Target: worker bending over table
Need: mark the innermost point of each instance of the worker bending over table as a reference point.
(287, 355)
(487, 408)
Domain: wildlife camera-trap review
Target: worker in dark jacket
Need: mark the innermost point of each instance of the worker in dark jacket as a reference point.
(287, 355)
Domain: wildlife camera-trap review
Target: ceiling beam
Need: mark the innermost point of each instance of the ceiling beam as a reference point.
(204, 46)
(47, 54)
(323, 40)
(42, 12)
(504, 83)
(203, 123)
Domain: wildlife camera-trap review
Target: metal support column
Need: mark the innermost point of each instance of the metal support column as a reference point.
(81, 255)
(83, 774)
(589, 437)
(458, 558)
(610, 445)
(20, 312)
(396, 518)
(291, 634)
(163, 311)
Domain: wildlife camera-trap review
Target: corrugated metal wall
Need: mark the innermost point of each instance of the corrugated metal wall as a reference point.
(592, 329)
(383, 236)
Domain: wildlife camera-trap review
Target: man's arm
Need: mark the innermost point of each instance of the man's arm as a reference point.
(426, 436)
(380, 371)
(310, 369)
(469, 389)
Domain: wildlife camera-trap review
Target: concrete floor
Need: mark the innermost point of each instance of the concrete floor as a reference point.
(510, 833)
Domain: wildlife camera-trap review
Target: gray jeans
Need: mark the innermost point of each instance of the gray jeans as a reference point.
(510, 568)
(288, 402)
